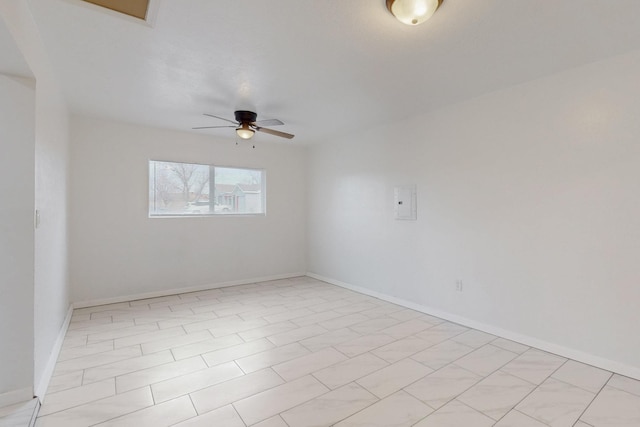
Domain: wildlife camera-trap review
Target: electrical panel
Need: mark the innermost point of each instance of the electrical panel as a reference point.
(405, 202)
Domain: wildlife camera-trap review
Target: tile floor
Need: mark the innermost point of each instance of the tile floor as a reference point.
(19, 415)
(300, 352)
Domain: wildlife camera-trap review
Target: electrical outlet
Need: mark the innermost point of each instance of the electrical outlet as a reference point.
(459, 286)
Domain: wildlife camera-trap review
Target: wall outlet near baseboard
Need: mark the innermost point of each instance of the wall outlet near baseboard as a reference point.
(459, 285)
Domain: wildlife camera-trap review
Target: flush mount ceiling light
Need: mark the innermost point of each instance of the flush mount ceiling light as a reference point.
(413, 12)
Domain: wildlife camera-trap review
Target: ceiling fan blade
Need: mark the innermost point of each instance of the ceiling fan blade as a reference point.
(269, 122)
(221, 118)
(274, 132)
(214, 127)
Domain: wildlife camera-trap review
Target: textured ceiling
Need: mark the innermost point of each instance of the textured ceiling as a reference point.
(324, 67)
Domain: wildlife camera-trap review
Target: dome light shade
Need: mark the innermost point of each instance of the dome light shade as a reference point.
(244, 131)
(413, 12)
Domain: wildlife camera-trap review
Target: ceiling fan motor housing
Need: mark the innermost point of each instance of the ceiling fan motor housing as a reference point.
(245, 116)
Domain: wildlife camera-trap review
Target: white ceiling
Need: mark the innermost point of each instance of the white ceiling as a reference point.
(324, 67)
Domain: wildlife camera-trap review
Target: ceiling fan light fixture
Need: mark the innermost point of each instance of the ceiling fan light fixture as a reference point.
(246, 125)
(244, 131)
(413, 12)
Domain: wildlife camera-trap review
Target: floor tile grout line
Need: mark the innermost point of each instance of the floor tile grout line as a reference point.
(134, 371)
(378, 400)
(81, 404)
(195, 390)
(526, 415)
(141, 369)
(622, 390)
(515, 405)
(238, 414)
(126, 336)
(193, 406)
(595, 396)
(537, 387)
(158, 366)
(97, 366)
(575, 385)
(84, 355)
(233, 405)
(495, 370)
(285, 381)
(156, 382)
(464, 369)
(448, 401)
(410, 356)
(299, 404)
(140, 409)
(545, 378)
(448, 363)
(266, 389)
(78, 332)
(283, 420)
(472, 408)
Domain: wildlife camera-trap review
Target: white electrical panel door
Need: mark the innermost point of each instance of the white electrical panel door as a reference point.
(405, 202)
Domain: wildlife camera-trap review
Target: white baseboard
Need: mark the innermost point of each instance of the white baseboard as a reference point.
(34, 413)
(16, 396)
(570, 353)
(41, 387)
(164, 293)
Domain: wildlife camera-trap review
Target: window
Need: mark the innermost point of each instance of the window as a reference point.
(184, 189)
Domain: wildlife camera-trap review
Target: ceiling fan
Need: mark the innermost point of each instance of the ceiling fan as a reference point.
(246, 125)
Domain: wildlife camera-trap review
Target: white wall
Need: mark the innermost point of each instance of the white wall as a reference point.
(530, 195)
(17, 100)
(50, 284)
(52, 289)
(116, 250)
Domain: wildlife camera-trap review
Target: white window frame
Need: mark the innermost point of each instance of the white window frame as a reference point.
(263, 190)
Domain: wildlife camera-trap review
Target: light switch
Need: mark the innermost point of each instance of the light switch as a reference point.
(405, 206)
